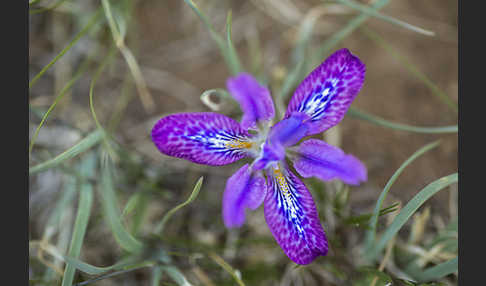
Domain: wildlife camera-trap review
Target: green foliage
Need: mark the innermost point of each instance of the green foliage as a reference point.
(84, 210)
(168, 215)
(225, 47)
(399, 126)
(408, 211)
(86, 143)
(111, 211)
(94, 19)
(370, 234)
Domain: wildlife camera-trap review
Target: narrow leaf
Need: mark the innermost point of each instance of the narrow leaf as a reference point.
(176, 275)
(156, 275)
(50, 7)
(97, 74)
(223, 47)
(85, 267)
(91, 22)
(112, 213)
(439, 271)
(234, 60)
(66, 88)
(109, 275)
(87, 167)
(408, 210)
(370, 234)
(95, 270)
(399, 126)
(86, 143)
(372, 12)
(191, 198)
(220, 261)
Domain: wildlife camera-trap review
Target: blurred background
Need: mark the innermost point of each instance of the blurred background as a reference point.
(103, 72)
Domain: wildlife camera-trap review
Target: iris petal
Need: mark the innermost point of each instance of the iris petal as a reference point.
(326, 162)
(204, 138)
(244, 189)
(292, 217)
(328, 91)
(289, 131)
(254, 99)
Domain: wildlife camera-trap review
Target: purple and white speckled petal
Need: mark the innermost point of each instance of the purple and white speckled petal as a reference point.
(244, 189)
(328, 91)
(204, 138)
(254, 99)
(292, 217)
(326, 162)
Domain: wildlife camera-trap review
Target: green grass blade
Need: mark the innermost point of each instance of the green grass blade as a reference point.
(51, 7)
(137, 203)
(85, 267)
(84, 210)
(220, 261)
(100, 69)
(67, 196)
(372, 12)
(234, 60)
(111, 20)
(411, 68)
(346, 31)
(201, 15)
(95, 270)
(112, 213)
(109, 275)
(363, 220)
(371, 233)
(399, 126)
(65, 89)
(132, 203)
(176, 275)
(94, 19)
(222, 45)
(86, 143)
(438, 271)
(156, 276)
(192, 197)
(408, 210)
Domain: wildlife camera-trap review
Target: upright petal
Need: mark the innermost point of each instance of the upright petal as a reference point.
(244, 189)
(254, 99)
(292, 217)
(204, 138)
(326, 162)
(285, 133)
(327, 92)
(289, 131)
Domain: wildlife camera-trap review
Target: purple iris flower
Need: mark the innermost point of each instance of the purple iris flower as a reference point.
(319, 103)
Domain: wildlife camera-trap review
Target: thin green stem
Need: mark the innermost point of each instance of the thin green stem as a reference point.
(102, 66)
(66, 88)
(91, 23)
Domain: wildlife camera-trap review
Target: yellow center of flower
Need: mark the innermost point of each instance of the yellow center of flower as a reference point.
(237, 144)
(282, 182)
